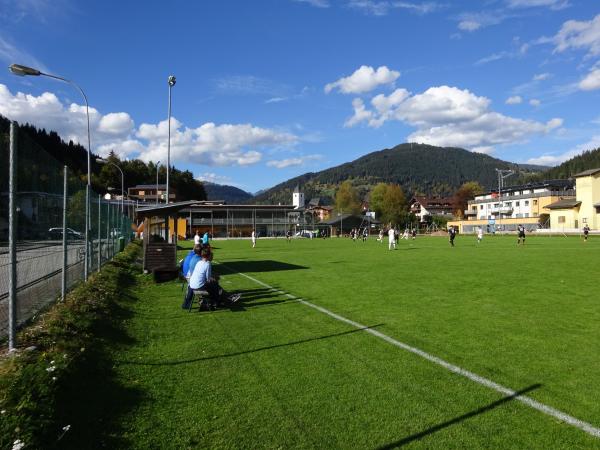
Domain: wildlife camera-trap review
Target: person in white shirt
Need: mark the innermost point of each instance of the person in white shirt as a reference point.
(197, 238)
(201, 278)
(253, 238)
(391, 238)
(479, 235)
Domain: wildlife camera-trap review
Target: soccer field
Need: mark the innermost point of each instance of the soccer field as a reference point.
(323, 349)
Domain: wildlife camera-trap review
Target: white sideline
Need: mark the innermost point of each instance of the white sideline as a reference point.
(548, 410)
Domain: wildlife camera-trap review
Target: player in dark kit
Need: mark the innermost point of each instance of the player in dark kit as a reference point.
(451, 235)
(586, 231)
(521, 238)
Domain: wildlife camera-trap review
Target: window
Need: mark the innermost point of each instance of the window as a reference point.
(561, 219)
(526, 202)
(535, 203)
(141, 192)
(526, 214)
(517, 203)
(481, 207)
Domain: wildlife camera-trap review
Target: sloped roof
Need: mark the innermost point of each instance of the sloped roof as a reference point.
(586, 173)
(566, 203)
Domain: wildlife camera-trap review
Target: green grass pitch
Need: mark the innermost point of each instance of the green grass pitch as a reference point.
(273, 372)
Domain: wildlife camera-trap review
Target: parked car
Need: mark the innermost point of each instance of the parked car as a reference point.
(57, 234)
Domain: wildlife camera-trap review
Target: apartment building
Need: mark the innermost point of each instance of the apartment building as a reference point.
(514, 205)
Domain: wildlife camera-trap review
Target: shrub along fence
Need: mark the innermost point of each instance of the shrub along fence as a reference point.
(43, 385)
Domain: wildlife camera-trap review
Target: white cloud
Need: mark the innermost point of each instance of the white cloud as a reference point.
(383, 7)
(552, 4)
(291, 162)
(210, 144)
(553, 160)
(448, 116)
(535, 102)
(212, 177)
(486, 150)
(514, 100)
(364, 79)
(474, 21)
(10, 54)
(580, 35)
(316, 3)
(591, 81)
(541, 76)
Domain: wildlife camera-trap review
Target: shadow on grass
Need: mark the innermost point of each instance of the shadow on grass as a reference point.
(245, 352)
(92, 399)
(258, 266)
(415, 437)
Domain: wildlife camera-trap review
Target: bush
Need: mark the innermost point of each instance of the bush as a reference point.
(32, 380)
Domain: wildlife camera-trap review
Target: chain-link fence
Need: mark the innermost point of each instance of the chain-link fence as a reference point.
(43, 187)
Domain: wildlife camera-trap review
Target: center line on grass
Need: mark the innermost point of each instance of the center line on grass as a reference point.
(548, 410)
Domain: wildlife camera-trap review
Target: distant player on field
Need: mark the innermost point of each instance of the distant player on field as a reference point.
(380, 235)
(451, 235)
(586, 231)
(391, 238)
(253, 236)
(288, 235)
(521, 232)
(365, 234)
(479, 235)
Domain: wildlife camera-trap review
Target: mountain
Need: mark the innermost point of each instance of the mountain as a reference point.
(229, 194)
(417, 168)
(589, 159)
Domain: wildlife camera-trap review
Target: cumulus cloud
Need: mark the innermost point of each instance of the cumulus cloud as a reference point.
(535, 102)
(514, 100)
(474, 21)
(553, 159)
(579, 35)
(448, 116)
(541, 76)
(212, 177)
(290, 162)
(47, 111)
(210, 144)
(591, 81)
(364, 79)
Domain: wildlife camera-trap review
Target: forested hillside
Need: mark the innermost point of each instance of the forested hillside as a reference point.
(418, 169)
(587, 160)
(230, 194)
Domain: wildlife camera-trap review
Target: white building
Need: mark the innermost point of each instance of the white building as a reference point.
(298, 198)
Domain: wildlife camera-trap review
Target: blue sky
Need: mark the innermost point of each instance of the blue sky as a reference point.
(270, 89)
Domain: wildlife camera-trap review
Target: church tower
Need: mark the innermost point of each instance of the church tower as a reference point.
(298, 198)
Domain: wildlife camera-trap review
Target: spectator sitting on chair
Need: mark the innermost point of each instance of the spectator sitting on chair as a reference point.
(193, 254)
(201, 278)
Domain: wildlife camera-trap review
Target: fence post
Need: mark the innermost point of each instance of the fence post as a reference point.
(12, 238)
(64, 236)
(108, 230)
(99, 235)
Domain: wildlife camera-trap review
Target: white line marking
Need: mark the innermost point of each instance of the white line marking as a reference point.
(548, 410)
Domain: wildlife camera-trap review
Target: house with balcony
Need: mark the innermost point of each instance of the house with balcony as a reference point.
(426, 207)
(152, 193)
(505, 210)
(572, 214)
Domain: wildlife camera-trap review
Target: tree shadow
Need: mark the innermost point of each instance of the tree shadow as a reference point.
(245, 352)
(259, 266)
(441, 426)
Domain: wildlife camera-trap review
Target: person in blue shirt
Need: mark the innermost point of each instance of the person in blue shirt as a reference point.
(201, 278)
(193, 255)
(205, 238)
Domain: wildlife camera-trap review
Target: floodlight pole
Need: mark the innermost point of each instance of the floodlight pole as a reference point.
(22, 71)
(502, 174)
(171, 82)
(157, 167)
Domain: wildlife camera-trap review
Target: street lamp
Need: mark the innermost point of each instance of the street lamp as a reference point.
(171, 82)
(22, 71)
(157, 166)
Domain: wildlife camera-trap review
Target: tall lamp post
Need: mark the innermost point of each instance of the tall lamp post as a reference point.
(22, 71)
(171, 82)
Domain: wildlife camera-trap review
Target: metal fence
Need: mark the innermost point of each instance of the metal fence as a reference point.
(49, 204)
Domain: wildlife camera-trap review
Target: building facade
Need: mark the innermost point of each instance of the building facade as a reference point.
(426, 207)
(151, 193)
(515, 205)
(570, 215)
